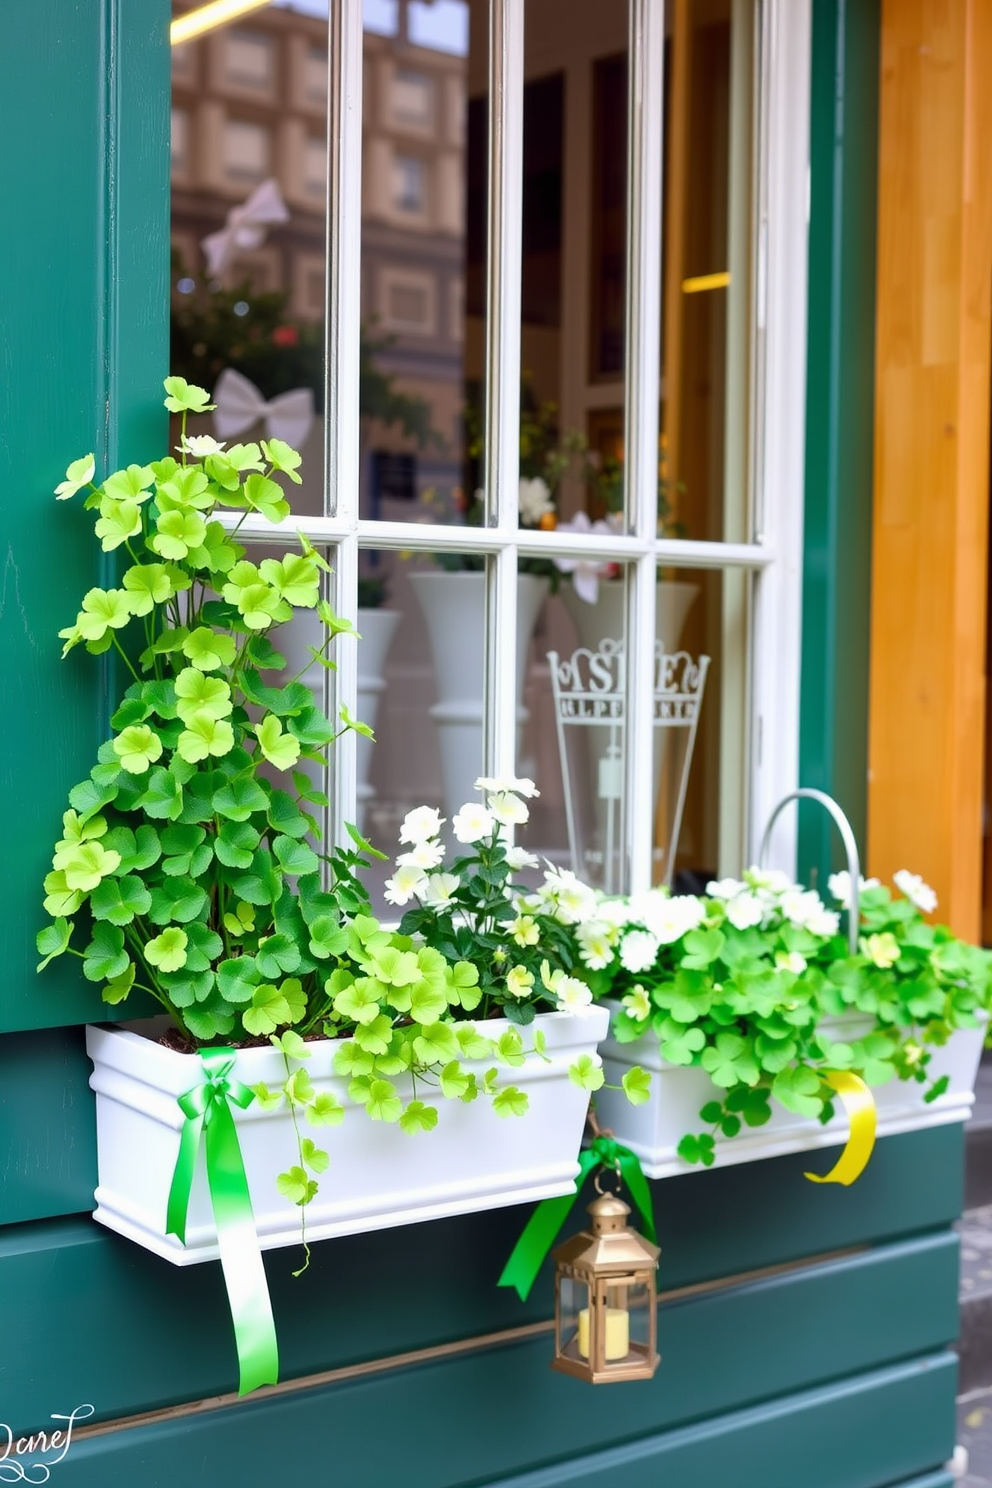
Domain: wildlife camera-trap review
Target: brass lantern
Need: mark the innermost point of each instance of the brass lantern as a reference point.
(606, 1314)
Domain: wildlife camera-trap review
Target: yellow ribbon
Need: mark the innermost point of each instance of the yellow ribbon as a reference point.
(859, 1103)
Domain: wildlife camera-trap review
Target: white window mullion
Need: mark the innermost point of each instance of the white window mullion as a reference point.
(643, 334)
(782, 416)
(344, 249)
(502, 408)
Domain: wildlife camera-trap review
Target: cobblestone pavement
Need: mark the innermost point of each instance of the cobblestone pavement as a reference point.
(975, 1435)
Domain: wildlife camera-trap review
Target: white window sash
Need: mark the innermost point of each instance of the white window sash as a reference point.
(777, 418)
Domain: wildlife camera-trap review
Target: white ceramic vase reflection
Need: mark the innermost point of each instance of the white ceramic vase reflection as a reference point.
(594, 623)
(453, 605)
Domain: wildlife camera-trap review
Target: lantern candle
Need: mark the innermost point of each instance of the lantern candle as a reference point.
(617, 1333)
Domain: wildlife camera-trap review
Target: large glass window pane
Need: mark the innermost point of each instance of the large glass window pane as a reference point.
(573, 269)
(249, 184)
(423, 260)
(707, 270)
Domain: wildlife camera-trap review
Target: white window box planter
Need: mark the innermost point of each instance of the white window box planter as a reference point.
(654, 1130)
(379, 1175)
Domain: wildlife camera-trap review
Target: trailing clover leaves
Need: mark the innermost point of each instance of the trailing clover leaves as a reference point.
(193, 876)
(179, 845)
(751, 982)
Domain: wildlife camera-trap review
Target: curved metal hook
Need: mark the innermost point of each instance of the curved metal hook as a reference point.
(807, 793)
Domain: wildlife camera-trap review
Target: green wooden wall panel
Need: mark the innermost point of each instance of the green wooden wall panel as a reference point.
(839, 420)
(877, 1429)
(129, 1333)
(47, 1125)
(84, 325)
(104, 1287)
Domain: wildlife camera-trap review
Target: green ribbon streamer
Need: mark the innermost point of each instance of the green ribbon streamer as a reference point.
(541, 1230)
(208, 1113)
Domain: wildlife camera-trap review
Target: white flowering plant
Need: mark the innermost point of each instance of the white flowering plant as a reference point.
(749, 982)
(474, 912)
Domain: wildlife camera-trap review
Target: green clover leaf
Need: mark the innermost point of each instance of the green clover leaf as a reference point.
(197, 692)
(281, 750)
(239, 799)
(216, 552)
(382, 1102)
(269, 1009)
(265, 496)
(511, 1101)
(375, 1037)
(184, 397)
(130, 484)
(324, 1110)
(587, 1072)
(697, 1150)
(637, 1086)
(148, 584)
(177, 532)
(294, 578)
(118, 521)
(120, 899)
(117, 989)
(52, 941)
(316, 1159)
(471, 1043)
(204, 735)
(282, 456)
(419, 1117)
(185, 489)
(105, 957)
(168, 950)
(103, 610)
(436, 1044)
(208, 650)
(138, 748)
(730, 1061)
(296, 1186)
(360, 1001)
(85, 864)
(59, 898)
(799, 1089)
(78, 475)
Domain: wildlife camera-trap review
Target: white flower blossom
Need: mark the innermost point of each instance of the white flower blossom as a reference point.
(745, 910)
(518, 857)
(638, 1003)
(200, 445)
(670, 918)
(768, 880)
(421, 824)
(508, 808)
(915, 890)
(571, 901)
(404, 884)
(534, 501)
(638, 950)
(839, 885)
(790, 961)
(615, 912)
(519, 981)
(525, 930)
(440, 888)
(725, 888)
(596, 940)
(799, 906)
(472, 823)
(423, 855)
(573, 995)
(824, 923)
(520, 785)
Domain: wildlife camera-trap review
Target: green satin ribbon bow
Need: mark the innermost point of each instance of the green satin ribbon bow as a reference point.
(208, 1113)
(541, 1230)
